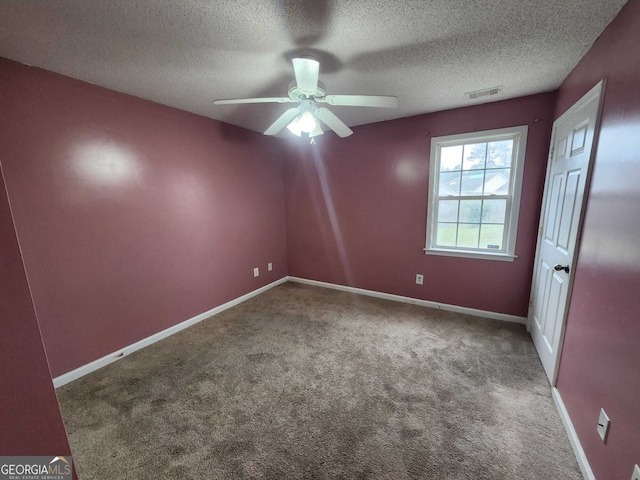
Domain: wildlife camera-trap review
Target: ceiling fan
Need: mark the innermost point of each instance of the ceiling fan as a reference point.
(310, 94)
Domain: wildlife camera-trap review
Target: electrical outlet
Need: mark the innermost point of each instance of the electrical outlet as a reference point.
(636, 473)
(270, 266)
(419, 279)
(603, 425)
(256, 272)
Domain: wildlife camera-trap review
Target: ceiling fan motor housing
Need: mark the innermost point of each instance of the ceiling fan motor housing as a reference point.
(296, 94)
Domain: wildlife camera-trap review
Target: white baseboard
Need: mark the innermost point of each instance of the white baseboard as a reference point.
(587, 473)
(123, 352)
(415, 301)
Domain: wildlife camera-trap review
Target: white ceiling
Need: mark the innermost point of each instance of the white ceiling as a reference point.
(188, 53)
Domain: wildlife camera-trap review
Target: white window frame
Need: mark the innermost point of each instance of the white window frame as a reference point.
(519, 135)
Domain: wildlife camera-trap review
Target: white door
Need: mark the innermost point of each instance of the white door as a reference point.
(560, 221)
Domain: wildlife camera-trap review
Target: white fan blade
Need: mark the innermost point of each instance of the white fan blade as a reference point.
(233, 101)
(384, 101)
(307, 71)
(333, 122)
(282, 121)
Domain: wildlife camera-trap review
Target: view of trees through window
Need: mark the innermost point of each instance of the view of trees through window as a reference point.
(473, 188)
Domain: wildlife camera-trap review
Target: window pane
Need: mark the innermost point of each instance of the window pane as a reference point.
(493, 211)
(448, 211)
(450, 158)
(491, 237)
(472, 182)
(468, 235)
(449, 184)
(474, 156)
(447, 234)
(470, 211)
(497, 181)
(475, 191)
(500, 154)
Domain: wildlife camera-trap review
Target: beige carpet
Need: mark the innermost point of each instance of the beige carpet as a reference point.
(304, 382)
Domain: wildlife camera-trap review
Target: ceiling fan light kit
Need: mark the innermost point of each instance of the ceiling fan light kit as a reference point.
(308, 92)
(294, 127)
(305, 122)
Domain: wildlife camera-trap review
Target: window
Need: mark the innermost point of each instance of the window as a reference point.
(474, 193)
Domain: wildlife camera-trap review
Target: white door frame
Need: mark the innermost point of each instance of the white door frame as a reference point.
(598, 89)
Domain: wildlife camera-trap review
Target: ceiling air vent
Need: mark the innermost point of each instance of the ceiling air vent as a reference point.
(484, 93)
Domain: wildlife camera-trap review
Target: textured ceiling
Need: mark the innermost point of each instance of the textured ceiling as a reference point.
(188, 53)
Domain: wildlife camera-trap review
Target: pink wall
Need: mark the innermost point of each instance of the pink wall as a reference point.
(356, 208)
(132, 216)
(600, 364)
(30, 421)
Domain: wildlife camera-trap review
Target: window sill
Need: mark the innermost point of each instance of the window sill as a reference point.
(502, 257)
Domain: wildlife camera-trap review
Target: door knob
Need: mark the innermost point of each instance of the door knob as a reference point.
(559, 267)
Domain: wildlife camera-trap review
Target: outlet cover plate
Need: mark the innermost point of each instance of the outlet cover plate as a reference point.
(256, 272)
(270, 266)
(419, 279)
(636, 473)
(603, 425)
